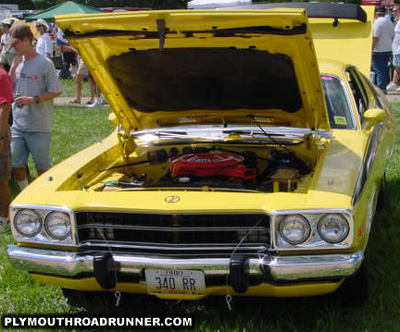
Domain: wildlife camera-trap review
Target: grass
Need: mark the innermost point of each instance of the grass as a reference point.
(75, 128)
(69, 88)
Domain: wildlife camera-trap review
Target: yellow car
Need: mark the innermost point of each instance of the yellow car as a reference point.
(240, 164)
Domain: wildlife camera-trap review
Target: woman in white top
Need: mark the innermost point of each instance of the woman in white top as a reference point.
(396, 51)
(6, 55)
(44, 45)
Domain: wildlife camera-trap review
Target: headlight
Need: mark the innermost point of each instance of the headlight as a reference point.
(333, 228)
(58, 225)
(294, 229)
(27, 223)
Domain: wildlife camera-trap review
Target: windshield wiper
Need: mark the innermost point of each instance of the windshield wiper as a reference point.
(161, 133)
(250, 132)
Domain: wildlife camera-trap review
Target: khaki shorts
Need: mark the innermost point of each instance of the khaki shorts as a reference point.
(5, 160)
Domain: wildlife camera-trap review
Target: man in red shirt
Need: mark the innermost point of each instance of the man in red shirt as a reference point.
(6, 98)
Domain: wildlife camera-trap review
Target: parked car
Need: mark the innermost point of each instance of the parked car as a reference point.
(248, 157)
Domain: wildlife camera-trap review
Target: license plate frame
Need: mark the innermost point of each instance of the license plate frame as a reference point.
(175, 282)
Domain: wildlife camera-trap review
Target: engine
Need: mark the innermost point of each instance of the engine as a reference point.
(205, 165)
(280, 170)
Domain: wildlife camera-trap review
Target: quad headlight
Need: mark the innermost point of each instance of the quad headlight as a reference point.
(42, 225)
(27, 223)
(57, 225)
(294, 229)
(333, 228)
(313, 229)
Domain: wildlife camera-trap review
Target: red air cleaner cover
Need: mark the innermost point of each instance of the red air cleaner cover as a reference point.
(211, 164)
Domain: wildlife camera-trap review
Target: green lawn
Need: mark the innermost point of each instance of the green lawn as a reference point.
(75, 128)
(69, 88)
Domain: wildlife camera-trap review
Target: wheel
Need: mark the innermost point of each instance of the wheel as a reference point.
(380, 205)
(91, 301)
(354, 290)
(106, 302)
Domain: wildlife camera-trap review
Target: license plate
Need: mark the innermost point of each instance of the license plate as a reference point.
(187, 282)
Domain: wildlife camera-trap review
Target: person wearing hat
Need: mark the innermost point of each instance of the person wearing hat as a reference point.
(44, 45)
(36, 84)
(382, 47)
(6, 57)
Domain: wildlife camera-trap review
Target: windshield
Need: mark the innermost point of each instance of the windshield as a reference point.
(337, 103)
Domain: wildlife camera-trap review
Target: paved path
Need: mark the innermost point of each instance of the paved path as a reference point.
(394, 96)
(67, 101)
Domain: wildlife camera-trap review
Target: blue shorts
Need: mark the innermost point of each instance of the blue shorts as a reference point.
(396, 60)
(24, 143)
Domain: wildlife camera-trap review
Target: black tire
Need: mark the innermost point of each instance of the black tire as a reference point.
(381, 203)
(354, 290)
(106, 302)
(96, 302)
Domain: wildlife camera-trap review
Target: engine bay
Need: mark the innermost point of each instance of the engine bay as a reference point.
(215, 168)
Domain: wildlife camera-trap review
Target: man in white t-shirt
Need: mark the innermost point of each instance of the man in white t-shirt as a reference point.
(44, 45)
(382, 47)
(396, 50)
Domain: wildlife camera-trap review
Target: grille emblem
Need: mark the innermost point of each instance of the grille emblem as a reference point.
(172, 199)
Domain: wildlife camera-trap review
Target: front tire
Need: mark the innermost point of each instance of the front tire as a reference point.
(381, 203)
(95, 302)
(354, 290)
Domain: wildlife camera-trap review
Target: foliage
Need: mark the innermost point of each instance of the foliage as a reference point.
(153, 4)
(22, 4)
(44, 4)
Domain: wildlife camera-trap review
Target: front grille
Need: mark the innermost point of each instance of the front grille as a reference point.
(175, 233)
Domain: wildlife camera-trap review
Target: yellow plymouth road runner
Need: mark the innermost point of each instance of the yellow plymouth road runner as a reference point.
(240, 164)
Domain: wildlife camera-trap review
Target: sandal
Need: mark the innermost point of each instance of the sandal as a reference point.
(75, 102)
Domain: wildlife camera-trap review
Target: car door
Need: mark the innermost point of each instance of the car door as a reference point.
(379, 141)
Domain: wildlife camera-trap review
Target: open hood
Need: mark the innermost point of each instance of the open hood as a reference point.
(169, 68)
(341, 31)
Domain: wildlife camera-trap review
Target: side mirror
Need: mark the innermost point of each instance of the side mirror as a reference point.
(374, 115)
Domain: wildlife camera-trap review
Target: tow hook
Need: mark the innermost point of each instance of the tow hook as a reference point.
(105, 270)
(239, 274)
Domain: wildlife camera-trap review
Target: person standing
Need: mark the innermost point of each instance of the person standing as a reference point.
(6, 98)
(36, 84)
(44, 44)
(79, 78)
(6, 57)
(382, 47)
(396, 51)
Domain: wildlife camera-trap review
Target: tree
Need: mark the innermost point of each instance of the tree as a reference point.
(22, 4)
(153, 4)
(44, 4)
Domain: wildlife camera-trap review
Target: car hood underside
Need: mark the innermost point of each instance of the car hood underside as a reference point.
(156, 67)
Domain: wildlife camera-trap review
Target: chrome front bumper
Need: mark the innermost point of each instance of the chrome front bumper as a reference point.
(265, 268)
